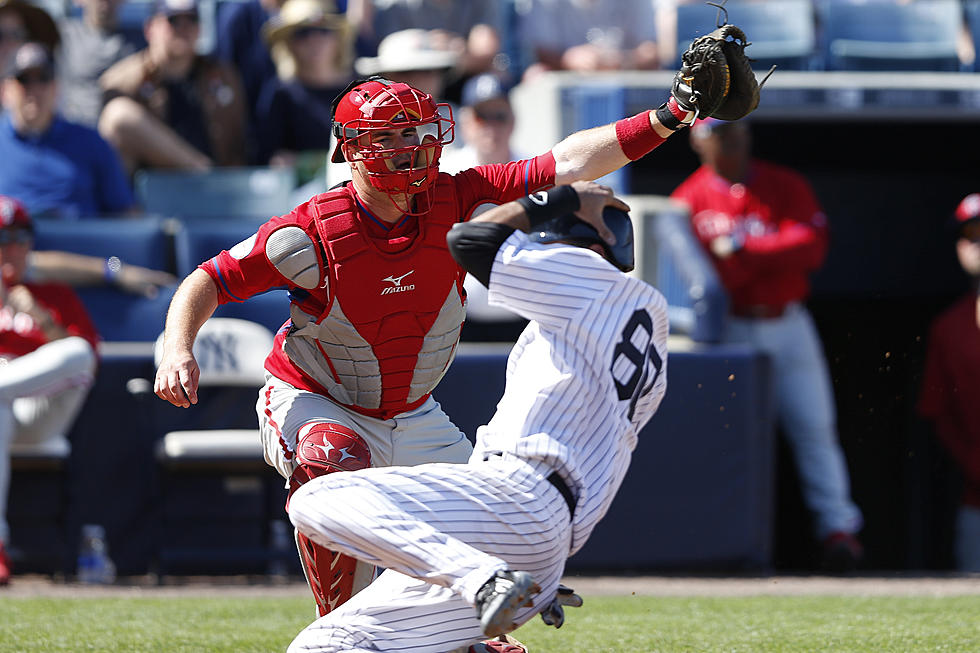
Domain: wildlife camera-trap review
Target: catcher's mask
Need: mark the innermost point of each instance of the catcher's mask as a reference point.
(369, 106)
(569, 229)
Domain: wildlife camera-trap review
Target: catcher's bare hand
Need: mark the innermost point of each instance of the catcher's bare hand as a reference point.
(593, 198)
(554, 613)
(177, 378)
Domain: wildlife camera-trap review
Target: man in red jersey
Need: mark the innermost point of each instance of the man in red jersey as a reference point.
(377, 300)
(951, 385)
(766, 232)
(47, 354)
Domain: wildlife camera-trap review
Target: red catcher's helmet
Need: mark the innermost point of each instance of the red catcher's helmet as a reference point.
(377, 104)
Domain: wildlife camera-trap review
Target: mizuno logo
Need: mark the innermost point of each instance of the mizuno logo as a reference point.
(397, 284)
(398, 280)
(417, 182)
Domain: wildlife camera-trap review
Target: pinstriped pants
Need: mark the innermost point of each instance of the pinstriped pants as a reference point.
(441, 531)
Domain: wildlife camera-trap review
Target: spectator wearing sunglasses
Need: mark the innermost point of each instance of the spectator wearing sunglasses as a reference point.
(169, 107)
(55, 167)
(310, 44)
(47, 356)
(486, 124)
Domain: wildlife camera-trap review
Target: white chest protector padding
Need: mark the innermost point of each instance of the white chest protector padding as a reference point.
(293, 253)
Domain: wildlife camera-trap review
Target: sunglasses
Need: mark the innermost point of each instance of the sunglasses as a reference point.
(13, 35)
(176, 20)
(493, 116)
(15, 236)
(29, 78)
(305, 32)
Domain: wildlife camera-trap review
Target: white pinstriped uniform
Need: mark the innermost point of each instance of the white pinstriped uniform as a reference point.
(582, 380)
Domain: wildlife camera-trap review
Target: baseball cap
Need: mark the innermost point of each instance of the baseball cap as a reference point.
(174, 7)
(968, 209)
(30, 56)
(297, 14)
(481, 88)
(13, 214)
(706, 126)
(404, 51)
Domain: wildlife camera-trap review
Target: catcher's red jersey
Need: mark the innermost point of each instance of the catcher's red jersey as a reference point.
(378, 324)
(779, 222)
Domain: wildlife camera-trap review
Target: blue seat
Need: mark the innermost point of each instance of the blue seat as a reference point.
(781, 32)
(971, 10)
(229, 193)
(195, 241)
(891, 36)
(145, 241)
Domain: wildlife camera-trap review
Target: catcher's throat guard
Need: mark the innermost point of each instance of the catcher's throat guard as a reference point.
(366, 117)
(569, 229)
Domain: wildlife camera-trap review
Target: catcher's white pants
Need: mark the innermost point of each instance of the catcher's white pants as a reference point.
(441, 531)
(40, 395)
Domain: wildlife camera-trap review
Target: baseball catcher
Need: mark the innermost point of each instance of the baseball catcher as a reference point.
(716, 78)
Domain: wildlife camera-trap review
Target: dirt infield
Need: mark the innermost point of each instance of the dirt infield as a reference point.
(38, 586)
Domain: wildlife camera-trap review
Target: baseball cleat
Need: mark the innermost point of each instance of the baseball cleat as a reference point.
(498, 601)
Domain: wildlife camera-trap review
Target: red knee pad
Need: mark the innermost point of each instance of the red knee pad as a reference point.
(325, 447)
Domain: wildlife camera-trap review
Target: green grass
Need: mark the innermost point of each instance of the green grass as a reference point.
(761, 624)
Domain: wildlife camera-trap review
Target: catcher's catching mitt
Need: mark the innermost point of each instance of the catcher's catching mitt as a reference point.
(716, 77)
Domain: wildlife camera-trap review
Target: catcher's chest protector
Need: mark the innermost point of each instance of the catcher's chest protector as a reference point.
(394, 313)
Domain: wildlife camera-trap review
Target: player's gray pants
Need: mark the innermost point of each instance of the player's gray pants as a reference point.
(40, 395)
(447, 529)
(968, 539)
(805, 403)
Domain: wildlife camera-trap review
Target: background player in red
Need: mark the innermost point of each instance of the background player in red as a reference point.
(951, 385)
(377, 300)
(766, 233)
(47, 354)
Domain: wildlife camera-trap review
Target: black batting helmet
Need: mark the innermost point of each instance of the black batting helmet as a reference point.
(570, 229)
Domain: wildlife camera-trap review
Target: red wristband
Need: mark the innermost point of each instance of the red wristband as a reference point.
(636, 136)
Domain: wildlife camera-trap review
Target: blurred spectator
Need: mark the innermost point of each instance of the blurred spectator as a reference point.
(951, 385)
(765, 233)
(239, 43)
(310, 44)
(486, 124)
(589, 35)
(90, 44)
(169, 107)
(47, 356)
(413, 57)
(21, 22)
(471, 29)
(55, 167)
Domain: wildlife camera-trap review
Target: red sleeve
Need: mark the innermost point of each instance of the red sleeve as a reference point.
(801, 238)
(244, 270)
(936, 396)
(69, 312)
(503, 182)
